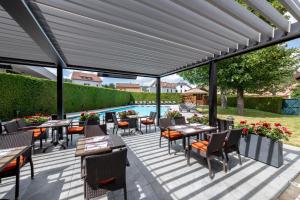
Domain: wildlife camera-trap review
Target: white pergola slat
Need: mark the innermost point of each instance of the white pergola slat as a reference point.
(141, 37)
(266, 9)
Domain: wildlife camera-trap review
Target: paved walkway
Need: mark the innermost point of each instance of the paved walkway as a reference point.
(153, 174)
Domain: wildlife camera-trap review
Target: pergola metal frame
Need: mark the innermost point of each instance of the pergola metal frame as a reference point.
(212, 47)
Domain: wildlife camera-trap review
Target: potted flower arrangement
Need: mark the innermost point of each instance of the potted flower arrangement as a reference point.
(173, 114)
(89, 118)
(36, 119)
(262, 141)
(126, 113)
(198, 119)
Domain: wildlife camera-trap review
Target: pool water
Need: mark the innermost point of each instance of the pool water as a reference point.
(141, 110)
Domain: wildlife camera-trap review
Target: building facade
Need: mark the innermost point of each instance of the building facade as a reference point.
(129, 87)
(166, 87)
(86, 79)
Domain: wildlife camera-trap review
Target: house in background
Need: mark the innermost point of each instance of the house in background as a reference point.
(129, 87)
(165, 87)
(86, 79)
(182, 87)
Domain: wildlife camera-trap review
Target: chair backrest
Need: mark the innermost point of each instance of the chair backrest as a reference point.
(109, 117)
(164, 123)
(54, 116)
(21, 123)
(233, 137)
(180, 121)
(152, 115)
(106, 166)
(1, 130)
(115, 118)
(11, 126)
(224, 125)
(93, 130)
(16, 139)
(216, 141)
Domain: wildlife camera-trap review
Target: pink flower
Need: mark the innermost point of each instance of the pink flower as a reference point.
(243, 122)
(277, 124)
(245, 131)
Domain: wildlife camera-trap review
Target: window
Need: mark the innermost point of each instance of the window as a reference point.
(86, 84)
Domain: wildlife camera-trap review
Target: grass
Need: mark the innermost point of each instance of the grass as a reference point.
(292, 122)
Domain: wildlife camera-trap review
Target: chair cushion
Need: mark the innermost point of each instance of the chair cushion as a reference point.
(173, 134)
(75, 129)
(147, 121)
(123, 123)
(12, 165)
(200, 145)
(106, 181)
(39, 130)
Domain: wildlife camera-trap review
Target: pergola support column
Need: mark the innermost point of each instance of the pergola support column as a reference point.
(158, 99)
(60, 92)
(212, 98)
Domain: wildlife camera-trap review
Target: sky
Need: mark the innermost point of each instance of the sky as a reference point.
(143, 81)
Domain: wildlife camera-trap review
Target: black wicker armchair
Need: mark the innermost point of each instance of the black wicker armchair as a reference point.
(104, 173)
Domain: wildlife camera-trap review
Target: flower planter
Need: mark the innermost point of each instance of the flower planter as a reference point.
(92, 122)
(262, 149)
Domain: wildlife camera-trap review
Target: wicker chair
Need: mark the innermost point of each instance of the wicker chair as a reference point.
(74, 129)
(180, 121)
(149, 121)
(119, 124)
(224, 125)
(17, 139)
(232, 143)
(19, 125)
(105, 172)
(209, 149)
(165, 132)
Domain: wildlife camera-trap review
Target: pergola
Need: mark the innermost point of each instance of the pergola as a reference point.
(153, 38)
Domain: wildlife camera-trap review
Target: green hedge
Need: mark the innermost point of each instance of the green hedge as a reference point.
(29, 95)
(146, 96)
(268, 104)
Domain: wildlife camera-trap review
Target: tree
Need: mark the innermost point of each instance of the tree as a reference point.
(254, 72)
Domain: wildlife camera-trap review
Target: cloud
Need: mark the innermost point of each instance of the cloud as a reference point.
(172, 78)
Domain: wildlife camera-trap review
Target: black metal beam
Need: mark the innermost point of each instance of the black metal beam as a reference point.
(158, 99)
(212, 98)
(22, 14)
(60, 92)
(279, 37)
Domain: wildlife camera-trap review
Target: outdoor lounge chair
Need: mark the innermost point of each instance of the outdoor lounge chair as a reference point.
(209, 149)
(149, 121)
(183, 107)
(12, 140)
(232, 142)
(165, 132)
(104, 173)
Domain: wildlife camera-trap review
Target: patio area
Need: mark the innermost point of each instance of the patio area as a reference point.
(153, 174)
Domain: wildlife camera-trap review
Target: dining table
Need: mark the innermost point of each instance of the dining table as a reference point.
(8, 155)
(190, 130)
(56, 125)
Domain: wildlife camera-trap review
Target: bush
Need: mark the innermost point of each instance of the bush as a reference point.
(29, 95)
(296, 92)
(147, 96)
(268, 104)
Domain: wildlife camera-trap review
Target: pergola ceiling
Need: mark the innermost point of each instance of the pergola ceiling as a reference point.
(142, 37)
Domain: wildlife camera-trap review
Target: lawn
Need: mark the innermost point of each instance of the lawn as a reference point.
(251, 115)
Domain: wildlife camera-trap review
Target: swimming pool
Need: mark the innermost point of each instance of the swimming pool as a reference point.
(141, 109)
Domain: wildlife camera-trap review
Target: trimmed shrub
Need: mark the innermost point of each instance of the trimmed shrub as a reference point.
(28, 95)
(268, 104)
(147, 96)
(296, 92)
